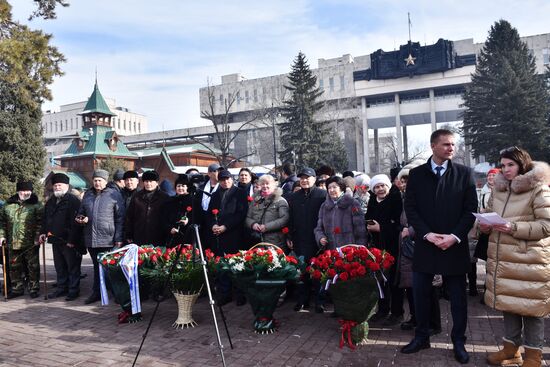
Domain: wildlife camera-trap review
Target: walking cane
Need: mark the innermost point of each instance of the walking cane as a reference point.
(44, 268)
(4, 271)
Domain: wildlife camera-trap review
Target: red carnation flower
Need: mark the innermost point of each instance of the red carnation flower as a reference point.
(112, 262)
(189, 208)
(285, 230)
(316, 274)
(249, 199)
(337, 230)
(344, 276)
(331, 273)
(215, 211)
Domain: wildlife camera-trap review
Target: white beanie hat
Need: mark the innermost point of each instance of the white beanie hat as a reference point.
(378, 179)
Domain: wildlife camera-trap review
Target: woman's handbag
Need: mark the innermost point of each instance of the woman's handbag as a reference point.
(255, 235)
(407, 247)
(481, 247)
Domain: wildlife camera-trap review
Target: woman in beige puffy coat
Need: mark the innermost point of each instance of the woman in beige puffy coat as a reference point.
(268, 213)
(518, 263)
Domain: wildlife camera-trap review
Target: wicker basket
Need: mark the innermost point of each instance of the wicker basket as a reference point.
(185, 310)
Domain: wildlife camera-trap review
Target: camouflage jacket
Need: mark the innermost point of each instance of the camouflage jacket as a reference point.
(20, 221)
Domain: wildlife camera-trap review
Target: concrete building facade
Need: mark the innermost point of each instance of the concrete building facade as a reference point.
(362, 95)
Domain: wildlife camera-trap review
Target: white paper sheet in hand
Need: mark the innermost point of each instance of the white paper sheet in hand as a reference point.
(489, 218)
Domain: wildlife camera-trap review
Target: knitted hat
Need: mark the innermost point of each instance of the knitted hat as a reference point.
(23, 186)
(130, 174)
(493, 170)
(101, 173)
(362, 180)
(60, 178)
(378, 179)
(150, 176)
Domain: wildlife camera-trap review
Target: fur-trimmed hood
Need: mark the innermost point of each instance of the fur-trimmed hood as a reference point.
(538, 176)
(15, 199)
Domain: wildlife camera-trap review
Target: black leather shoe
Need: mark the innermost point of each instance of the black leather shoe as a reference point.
(57, 293)
(222, 301)
(460, 353)
(377, 317)
(415, 346)
(71, 296)
(241, 301)
(93, 298)
(319, 309)
(13, 295)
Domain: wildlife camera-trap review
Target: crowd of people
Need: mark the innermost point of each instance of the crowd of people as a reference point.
(422, 214)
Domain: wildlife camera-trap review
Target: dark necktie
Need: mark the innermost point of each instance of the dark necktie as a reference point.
(438, 170)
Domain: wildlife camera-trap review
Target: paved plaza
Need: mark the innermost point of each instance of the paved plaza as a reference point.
(59, 333)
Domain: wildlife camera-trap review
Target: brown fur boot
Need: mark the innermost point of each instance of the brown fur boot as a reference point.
(533, 357)
(508, 355)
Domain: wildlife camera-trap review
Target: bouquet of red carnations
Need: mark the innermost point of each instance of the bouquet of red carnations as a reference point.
(351, 274)
(261, 273)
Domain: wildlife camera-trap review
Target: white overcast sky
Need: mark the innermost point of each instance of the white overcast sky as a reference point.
(153, 56)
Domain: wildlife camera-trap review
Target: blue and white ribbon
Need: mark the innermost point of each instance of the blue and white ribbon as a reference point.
(129, 266)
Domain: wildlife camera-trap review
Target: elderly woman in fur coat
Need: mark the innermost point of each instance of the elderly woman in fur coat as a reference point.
(341, 219)
(518, 263)
(268, 213)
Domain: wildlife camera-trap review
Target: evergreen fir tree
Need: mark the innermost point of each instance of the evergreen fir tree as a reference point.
(305, 141)
(28, 64)
(507, 101)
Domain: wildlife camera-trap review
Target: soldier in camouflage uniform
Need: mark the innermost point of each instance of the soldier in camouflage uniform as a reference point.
(19, 225)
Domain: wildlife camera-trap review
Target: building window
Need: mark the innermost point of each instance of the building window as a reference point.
(246, 97)
(545, 56)
(124, 121)
(321, 84)
(119, 124)
(51, 127)
(331, 84)
(238, 98)
(255, 95)
(342, 83)
(139, 127)
(221, 99)
(135, 126)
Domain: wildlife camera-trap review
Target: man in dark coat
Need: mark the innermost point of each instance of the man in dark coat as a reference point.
(226, 215)
(131, 181)
(304, 213)
(441, 197)
(59, 215)
(144, 216)
(288, 177)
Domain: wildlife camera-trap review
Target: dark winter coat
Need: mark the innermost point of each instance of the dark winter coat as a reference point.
(20, 221)
(304, 209)
(127, 195)
(145, 219)
(232, 206)
(342, 223)
(288, 183)
(59, 215)
(174, 209)
(105, 211)
(275, 218)
(444, 206)
(387, 213)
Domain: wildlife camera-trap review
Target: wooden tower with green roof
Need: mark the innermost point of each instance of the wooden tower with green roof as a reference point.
(97, 141)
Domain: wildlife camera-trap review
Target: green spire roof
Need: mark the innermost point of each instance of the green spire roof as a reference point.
(96, 103)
